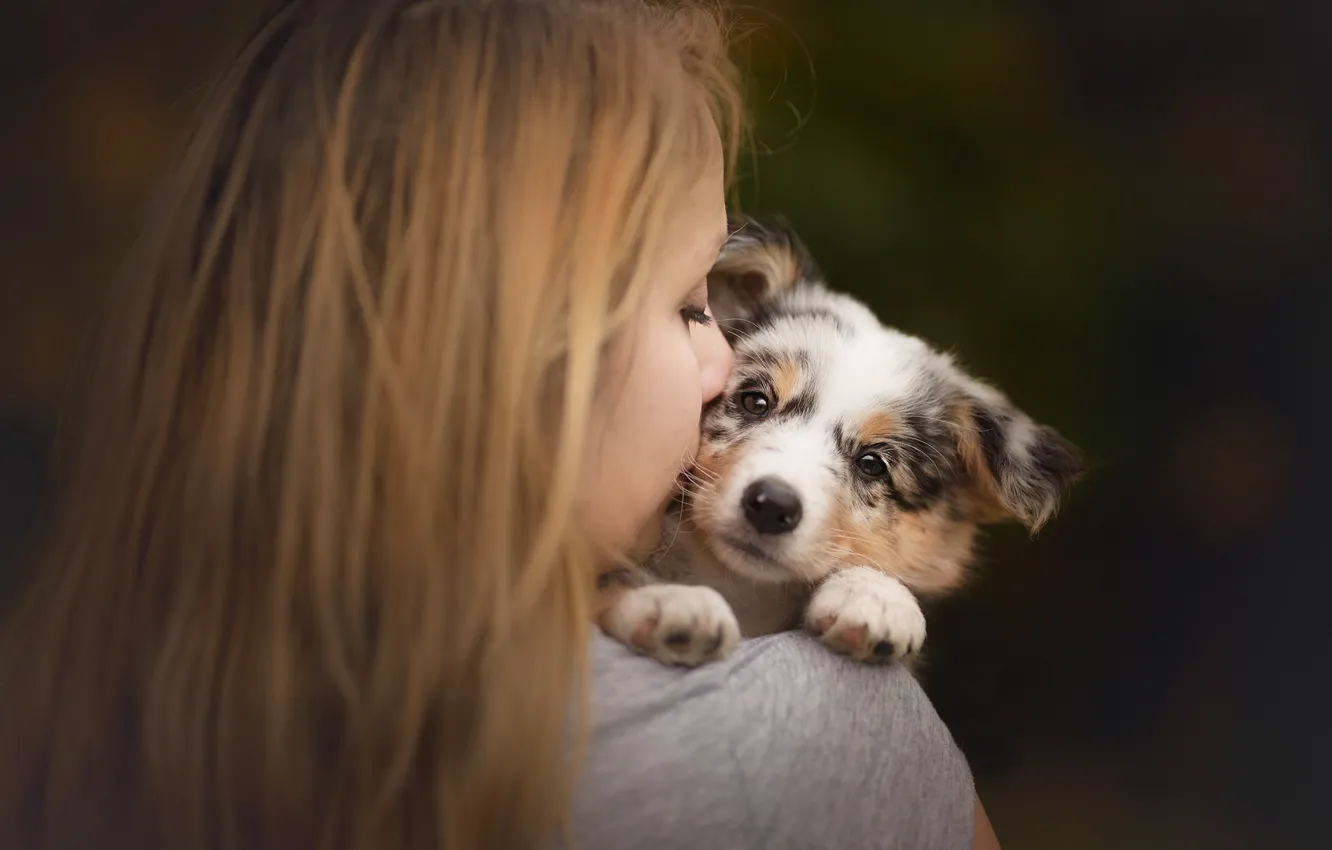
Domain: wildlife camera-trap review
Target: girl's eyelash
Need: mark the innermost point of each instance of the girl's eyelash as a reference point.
(696, 316)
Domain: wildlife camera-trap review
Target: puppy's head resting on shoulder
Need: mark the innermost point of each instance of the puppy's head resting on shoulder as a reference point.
(839, 441)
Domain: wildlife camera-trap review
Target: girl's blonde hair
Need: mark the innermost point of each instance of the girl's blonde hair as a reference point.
(315, 581)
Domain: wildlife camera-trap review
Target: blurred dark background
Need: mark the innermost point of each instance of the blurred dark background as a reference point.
(1116, 211)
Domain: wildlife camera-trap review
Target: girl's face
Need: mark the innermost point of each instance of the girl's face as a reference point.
(662, 370)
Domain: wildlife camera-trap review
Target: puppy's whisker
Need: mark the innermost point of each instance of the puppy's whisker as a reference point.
(675, 535)
(854, 537)
(700, 474)
(690, 478)
(698, 471)
(737, 320)
(926, 450)
(840, 552)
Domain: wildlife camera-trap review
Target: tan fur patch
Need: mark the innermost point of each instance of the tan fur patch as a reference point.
(843, 540)
(714, 464)
(777, 265)
(711, 469)
(782, 265)
(744, 277)
(785, 379)
(983, 493)
(876, 427)
(926, 551)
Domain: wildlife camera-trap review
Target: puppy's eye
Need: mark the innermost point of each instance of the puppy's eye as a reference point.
(755, 403)
(871, 465)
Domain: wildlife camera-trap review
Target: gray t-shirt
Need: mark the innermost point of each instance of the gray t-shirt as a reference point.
(783, 745)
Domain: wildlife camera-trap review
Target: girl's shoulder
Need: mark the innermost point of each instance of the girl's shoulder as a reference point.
(784, 744)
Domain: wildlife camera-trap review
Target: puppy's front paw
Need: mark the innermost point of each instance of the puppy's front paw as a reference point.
(675, 623)
(868, 615)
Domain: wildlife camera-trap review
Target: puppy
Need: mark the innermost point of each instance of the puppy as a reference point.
(842, 475)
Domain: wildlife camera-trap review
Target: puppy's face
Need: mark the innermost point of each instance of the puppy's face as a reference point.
(839, 441)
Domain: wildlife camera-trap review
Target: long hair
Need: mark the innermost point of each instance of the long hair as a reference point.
(315, 580)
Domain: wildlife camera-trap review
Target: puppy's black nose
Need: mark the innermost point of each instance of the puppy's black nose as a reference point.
(772, 506)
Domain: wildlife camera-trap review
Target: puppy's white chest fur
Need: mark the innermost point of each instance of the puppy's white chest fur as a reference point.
(760, 608)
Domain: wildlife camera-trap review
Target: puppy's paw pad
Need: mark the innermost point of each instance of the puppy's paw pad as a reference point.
(867, 615)
(676, 624)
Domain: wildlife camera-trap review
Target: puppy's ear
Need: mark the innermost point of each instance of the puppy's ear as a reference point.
(760, 261)
(1017, 469)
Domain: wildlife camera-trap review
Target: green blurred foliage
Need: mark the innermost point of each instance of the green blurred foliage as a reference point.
(931, 161)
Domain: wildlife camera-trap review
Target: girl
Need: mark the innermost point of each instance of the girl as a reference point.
(415, 341)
